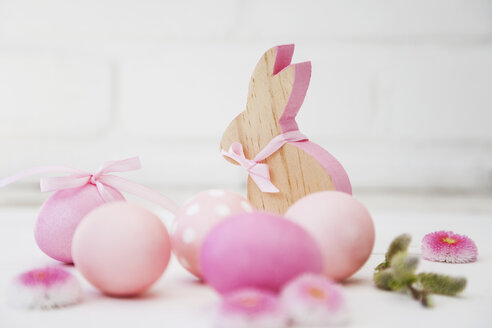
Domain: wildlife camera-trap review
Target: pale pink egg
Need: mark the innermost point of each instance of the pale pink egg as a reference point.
(257, 250)
(196, 218)
(61, 214)
(342, 227)
(121, 248)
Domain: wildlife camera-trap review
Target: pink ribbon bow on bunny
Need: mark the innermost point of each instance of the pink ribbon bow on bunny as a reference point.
(259, 172)
(101, 178)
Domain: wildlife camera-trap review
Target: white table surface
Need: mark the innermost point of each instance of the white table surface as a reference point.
(178, 300)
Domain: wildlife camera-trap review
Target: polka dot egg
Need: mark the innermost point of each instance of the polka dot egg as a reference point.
(196, 218)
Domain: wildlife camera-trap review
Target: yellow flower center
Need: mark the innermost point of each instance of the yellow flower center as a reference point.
(316, 293)
(449, 240)
(249, 301)
(40, 275)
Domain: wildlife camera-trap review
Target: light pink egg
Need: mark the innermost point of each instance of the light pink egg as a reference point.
(257, 250)
(61, 214)
(197, 217)
(121, 248)
(341, 225)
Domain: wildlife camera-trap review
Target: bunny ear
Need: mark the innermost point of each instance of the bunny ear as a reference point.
(275, 75)
(283, 69)
(302, 76)
(274, 60)
(283, 57)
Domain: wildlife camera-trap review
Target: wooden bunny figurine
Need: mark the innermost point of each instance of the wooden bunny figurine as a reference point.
(283, 165)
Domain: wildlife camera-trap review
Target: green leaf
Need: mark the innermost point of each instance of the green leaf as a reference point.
(383, 279)
(404, 267)
(397, 284)
(381, 266)
(399, 244)
(442, 284)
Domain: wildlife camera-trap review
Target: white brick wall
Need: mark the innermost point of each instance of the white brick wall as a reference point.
(401, 90)
(116, 20)
(357, 19)
(53, 95)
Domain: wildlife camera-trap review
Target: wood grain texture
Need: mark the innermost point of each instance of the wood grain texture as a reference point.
(274, 98)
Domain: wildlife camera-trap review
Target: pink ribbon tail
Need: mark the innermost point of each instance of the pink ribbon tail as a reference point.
(261, 176)
(100, 179)
(35, 171)
(68, 182)
(136, 189)
(124, 165)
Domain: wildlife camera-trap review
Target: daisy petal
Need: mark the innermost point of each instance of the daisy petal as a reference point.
(250, 308)
(314, 300)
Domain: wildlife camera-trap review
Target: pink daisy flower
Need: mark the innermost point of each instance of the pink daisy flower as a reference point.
(44, 288)
(314, 300)
(446, 246)
(250, 308)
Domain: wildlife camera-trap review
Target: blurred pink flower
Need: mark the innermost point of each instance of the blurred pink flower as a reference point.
(44, 276)
(446, 246)
(314, 300)
(251, 308)
(44, 288)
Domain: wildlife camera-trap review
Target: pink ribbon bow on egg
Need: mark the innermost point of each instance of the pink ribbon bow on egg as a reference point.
(260, 172)
(101, 178)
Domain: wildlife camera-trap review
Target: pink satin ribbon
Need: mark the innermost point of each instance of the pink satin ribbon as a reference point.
(259, 172)
(101, 179)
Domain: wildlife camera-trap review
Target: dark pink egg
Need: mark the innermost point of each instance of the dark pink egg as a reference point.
(258, 250)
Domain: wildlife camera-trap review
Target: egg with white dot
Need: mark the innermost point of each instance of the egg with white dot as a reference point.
(223, 210)
(188, 235)
(247, 206)
(192, 209)
(197, 217)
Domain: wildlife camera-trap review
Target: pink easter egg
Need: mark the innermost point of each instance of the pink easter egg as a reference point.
(121, 248)
(257, 250)
(342, 227)
(61, 214)
(195, 219)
